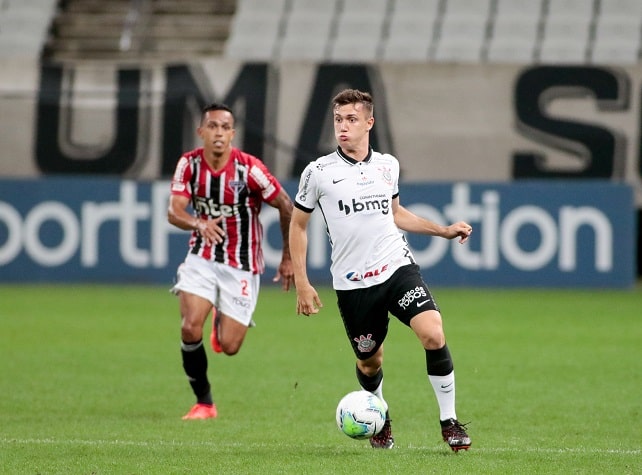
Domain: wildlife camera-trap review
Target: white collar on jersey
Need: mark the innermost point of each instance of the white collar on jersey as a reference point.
(352, 160)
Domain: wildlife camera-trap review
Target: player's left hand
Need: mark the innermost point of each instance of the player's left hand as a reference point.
(461, 229)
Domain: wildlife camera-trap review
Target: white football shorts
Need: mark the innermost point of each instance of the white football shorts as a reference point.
(233, 292)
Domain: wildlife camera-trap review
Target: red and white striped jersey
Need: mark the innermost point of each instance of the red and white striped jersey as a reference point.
(236, 192)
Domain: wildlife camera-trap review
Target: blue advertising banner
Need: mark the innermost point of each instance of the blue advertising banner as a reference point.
(531, 233)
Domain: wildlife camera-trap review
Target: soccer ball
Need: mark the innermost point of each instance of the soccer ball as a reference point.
(360, 415)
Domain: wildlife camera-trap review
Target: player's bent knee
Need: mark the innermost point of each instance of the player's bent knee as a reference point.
(230, 348)
(433, 342)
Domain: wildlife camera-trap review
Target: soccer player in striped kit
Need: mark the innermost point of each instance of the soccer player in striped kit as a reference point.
(373, 269)
(217, 192)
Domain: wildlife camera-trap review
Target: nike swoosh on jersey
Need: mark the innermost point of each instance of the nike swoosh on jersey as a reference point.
(334, 182)
(420, 304)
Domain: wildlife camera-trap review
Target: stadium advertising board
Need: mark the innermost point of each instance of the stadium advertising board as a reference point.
(536, 233)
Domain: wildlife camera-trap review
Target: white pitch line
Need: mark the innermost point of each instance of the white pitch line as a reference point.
(175, 443)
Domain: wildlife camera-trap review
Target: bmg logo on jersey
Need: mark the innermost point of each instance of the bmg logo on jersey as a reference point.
(366, 203)
(412, 295)
(209, 207)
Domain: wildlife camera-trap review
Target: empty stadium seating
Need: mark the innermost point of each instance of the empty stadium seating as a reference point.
(307, 28)
(411, 31)
(359, 31)
(255, 30)
(24, 26)
(546, 31)
(617, 32)
(567, 31)
(139, 29)
(463, 30)
(515, 31)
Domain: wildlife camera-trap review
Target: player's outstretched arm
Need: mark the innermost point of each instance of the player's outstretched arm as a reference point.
(408, 221)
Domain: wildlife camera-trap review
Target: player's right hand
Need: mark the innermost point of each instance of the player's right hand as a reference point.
(307, 300)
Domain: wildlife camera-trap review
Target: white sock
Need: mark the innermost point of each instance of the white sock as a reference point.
(444, 388)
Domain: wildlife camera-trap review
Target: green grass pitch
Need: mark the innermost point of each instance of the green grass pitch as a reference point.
(91, 383)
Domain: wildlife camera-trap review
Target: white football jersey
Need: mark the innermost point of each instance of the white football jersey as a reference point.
(355, 199)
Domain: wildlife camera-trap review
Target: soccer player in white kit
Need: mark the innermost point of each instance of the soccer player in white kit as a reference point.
(373, 270)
